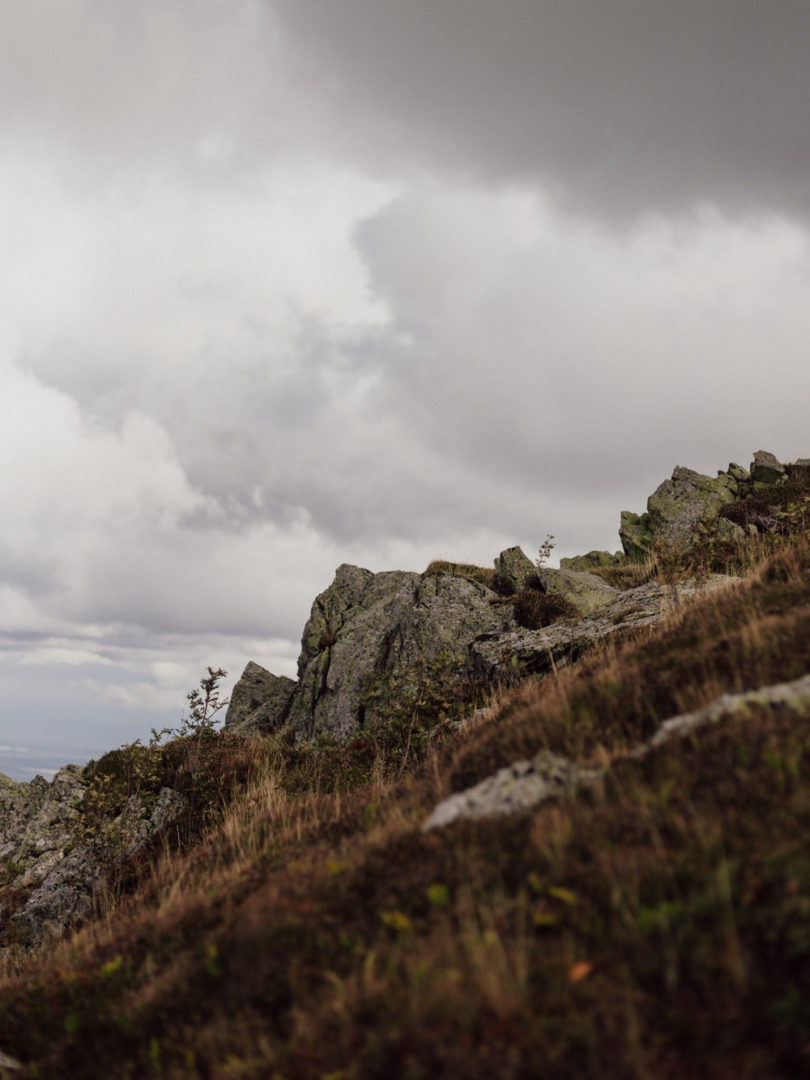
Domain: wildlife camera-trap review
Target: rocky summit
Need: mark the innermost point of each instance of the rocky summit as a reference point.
(367, 633)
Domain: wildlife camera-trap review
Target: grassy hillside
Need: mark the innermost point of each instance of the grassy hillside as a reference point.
(654, 925)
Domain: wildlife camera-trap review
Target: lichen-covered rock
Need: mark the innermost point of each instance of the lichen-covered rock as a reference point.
(260, 702)
(680, 507)
(35, 818)
(366, 626)
(592, 560)
(370, 635)
(586, 592)
(514, 570)
(525, 785)
(62, 898)
(675, 509)
(766, 469)
(794, 695)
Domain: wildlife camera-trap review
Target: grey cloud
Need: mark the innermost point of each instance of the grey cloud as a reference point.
(154, 85)
(620, 107)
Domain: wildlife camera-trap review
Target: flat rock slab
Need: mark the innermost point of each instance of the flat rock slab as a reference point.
(520, 786)
(521, 652)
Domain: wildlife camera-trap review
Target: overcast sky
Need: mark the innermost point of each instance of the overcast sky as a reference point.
(290, 283)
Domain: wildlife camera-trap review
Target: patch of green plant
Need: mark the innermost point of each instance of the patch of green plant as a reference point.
(196, 761)
(535, 609)
(9, 870)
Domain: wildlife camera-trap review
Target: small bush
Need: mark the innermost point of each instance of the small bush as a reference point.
(535, 609)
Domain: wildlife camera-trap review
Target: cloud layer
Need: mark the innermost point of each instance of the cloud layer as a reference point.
(622, 107)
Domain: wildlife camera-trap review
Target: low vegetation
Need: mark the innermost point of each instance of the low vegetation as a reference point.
(654, 925)
(484, 575)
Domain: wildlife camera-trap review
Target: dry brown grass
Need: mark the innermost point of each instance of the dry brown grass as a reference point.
(484, 575)
(653, 926)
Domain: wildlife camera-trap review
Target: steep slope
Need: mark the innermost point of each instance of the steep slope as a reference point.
(650, 919)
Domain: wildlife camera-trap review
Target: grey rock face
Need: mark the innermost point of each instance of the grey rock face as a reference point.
(674, 511)
(513, 571)
(36, 855)
(366, 626)
(766, 469)
(260, 702)
(35, 819)
(61, 898)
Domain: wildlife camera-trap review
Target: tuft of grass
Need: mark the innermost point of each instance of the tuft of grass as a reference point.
(535, 609)
(482, 574)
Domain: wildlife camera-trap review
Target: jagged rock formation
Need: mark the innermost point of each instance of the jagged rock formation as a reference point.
(689, 501)
(513, 571)
(526, 784)
(678, 506)
(366, 632)
(50, 877)
(260, 702)
(35, 829)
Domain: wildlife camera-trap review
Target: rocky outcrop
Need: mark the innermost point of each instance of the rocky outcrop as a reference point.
(689, 501)
(514, 571)
(365, 633)
(766, 469)
(526, 784)
(368, 634)
(368, 628)
(35, 823)
(260, 702)
(47, 878)
(48, 881)
(677, 507)
(592, 560)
